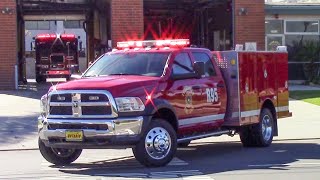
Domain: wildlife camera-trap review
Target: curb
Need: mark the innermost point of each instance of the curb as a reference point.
(24, 149)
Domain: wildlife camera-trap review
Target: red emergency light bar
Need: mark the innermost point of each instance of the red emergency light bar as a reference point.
(67, 36)
(46, 36)
(154, 43)
(53, 36)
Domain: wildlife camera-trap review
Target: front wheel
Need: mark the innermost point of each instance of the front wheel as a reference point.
(58, 156)
(259, 135)
(158, 145)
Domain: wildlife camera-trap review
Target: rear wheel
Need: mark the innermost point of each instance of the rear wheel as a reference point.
(158, 145)
(59, 156)
(259, 135)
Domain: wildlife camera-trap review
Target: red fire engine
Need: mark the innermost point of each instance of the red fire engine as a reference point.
(56, 56)
(153, 96)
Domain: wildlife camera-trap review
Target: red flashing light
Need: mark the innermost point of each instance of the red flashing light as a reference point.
(68, 36)
(149, 97)
(52, 36)
(154, 43)
(69, 58)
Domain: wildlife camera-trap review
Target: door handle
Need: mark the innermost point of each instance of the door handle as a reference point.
(196, 87)
(220, 85)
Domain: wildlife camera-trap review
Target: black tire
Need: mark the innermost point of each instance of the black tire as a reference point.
(51, 155)
(259, 135)
(68, 78)
(184, 144)
(40, 79)
(143, 155)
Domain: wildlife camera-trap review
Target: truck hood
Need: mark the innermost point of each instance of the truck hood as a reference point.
(117, 85)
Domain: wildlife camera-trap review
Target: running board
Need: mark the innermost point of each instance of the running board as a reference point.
(218, 133)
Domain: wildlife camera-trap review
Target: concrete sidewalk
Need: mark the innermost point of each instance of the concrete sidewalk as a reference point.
(19, 111)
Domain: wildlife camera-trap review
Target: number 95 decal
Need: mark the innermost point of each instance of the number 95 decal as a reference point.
(212, 95)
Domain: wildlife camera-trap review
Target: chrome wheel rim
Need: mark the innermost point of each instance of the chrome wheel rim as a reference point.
(266, 127)
(63, 152)
(158, 143)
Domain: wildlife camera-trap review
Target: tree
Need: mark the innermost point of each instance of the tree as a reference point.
(308, 52)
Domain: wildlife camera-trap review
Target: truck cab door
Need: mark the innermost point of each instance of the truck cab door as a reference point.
(184, 92)
(213, 102)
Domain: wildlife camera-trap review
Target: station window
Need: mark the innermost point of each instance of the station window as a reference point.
(274, 41)
(274, 26)
(37, 25)
(72, 24)
(302, 26)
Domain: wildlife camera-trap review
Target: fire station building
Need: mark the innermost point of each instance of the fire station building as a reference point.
(214, 24)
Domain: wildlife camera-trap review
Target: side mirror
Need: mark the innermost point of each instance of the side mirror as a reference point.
(32, 46)
(199, 68)
(80, 45)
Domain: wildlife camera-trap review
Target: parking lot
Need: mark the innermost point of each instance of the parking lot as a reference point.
(294, 154)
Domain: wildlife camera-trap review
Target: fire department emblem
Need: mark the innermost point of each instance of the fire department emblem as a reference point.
(188, 93)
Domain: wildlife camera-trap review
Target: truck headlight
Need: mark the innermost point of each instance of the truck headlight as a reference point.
(44, 105)
(129, 104)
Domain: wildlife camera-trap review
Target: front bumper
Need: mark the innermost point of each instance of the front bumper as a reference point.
(117, 133)
(55, 73)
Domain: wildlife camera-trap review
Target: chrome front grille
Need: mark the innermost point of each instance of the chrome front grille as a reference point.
(81, 104)
(57, 59)
(102, 127)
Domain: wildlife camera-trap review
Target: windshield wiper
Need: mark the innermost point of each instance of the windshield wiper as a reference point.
(114, 74)
(92, 75)
(123, 74)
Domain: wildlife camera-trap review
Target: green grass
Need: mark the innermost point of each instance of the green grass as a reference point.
(312, 97)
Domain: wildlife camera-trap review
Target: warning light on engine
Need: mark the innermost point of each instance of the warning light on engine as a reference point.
(68, 36)
(46, 36)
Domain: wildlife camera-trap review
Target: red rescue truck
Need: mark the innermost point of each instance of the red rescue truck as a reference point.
(56, 56)
(153, 96)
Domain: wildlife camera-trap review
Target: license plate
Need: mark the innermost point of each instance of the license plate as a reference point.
(74, 136)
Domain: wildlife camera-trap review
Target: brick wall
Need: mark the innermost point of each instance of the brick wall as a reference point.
(250, 27)
(126, 20)
(8, 52)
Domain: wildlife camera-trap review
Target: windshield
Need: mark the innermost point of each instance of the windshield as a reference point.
(130, 63)
(45, 48)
